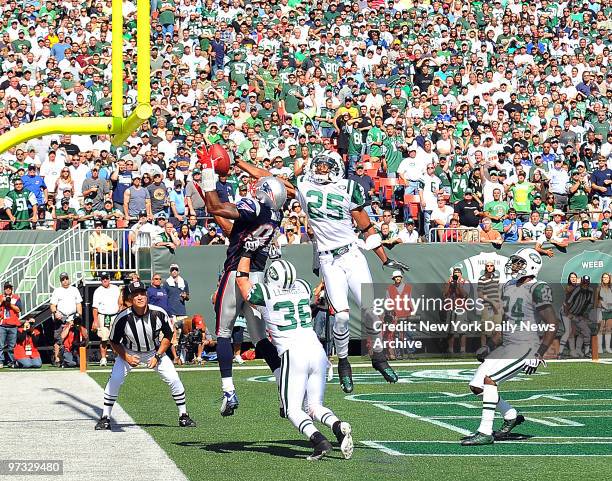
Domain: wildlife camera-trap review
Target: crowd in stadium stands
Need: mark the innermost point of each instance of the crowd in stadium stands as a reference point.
(464, 121)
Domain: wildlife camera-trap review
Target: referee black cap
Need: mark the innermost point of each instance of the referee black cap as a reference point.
(585, 280)
(134, 288)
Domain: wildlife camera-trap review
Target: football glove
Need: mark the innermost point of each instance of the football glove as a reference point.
(531, 365)
(209, 179)
(395, 264)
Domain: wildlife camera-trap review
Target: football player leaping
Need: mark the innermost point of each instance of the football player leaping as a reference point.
(303, 361)
(255, 224)
(332, 203)
(524, 300)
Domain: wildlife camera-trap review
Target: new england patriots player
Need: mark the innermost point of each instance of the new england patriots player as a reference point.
(255, 226)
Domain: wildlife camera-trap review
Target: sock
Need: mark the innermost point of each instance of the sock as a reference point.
(506, 410)
(225, 356)
(572, 343)
(599, 348)
(266, 350)
(489, 403)
(277, 376)
(227, 383)
(179, 399)
(579, 344)
(341, 333)
(324, 415)
(109, 402)
(607, 339)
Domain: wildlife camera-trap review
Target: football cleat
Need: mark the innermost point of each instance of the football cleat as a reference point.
(229, 403)
(379, 362)
(508, 426)
(186, 422)
(103, 424)
(343, 434)
(103, 362)
(478, 439)
(345, 373)
(321, 445)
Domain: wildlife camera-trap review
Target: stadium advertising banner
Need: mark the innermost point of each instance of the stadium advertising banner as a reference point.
(430, 264)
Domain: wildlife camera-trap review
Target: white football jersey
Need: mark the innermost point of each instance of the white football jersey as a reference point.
(287, 314)
(329, 207)
(521, 303)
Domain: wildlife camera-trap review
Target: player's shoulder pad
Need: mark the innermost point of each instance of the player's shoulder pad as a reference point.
(249, 205)
(304, 285)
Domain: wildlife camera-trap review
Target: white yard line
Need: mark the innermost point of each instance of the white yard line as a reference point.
(53, 417)
(435, 422)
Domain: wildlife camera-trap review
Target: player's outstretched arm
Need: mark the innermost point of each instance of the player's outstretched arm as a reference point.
(215, 207)
(550, 318)
(258, 172)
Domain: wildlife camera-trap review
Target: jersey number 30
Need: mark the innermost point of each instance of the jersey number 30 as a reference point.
(292, 315)
(321, 205)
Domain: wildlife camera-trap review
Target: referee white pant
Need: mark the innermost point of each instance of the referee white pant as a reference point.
(303, 374)
(165, 368)
(344, 273)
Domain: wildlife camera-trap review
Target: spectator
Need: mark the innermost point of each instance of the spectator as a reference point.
(21, 206)
(194, 196)
(66, 303)
(488, 234)
(26, 353)
(549, 238)
(109, 215)
(374, 211)
(168, 238)
(104, 249)
(87, 216)
(601, 182)
(364, 180)
(66, 216)
(136, 199)
(512, 228)
(211, 236)
(604, 232)
(521, 191)
(409, 235)
(452, 234)
(34, 183)
(496, 210)
(157, 293)
(585, 232)
(533, 229)
(195, 231)
(9, 322)
(105, 306)
(185, 240)
(158, 195)
(177, 204)
(95, 189)
(141, 233)
(178, 294)
(290, 237)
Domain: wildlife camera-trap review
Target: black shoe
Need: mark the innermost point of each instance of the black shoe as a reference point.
(103, 424)
(321, 446)
(379, 362)
(186, 422)
(508, 426)
(345, 373)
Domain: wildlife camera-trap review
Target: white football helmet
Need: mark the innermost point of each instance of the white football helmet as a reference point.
(280, 273)
(271, 192)
(333, 170)
(525, 262)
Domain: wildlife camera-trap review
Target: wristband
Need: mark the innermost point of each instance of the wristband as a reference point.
(242, 274)
(365, 229)
(158, 356)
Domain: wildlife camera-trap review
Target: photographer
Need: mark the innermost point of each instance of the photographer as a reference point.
(456, 290)
(195, 338)
(9, 322)
(26, 354)
(74, 336)
(65, 301)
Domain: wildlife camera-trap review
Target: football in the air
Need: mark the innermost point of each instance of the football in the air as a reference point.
(221, 159)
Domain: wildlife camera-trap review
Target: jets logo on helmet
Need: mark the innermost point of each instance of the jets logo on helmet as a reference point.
(280, 273)
(326, 167)
(525, 262)
(271, 192)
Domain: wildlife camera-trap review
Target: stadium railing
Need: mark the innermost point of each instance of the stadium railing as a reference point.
(454, 234)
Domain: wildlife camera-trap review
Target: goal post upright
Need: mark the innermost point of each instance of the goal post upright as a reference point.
(117, 126)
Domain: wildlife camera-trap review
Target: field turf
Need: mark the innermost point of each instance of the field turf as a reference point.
(405, 431)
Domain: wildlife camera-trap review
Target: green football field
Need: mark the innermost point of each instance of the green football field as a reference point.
(409, 430)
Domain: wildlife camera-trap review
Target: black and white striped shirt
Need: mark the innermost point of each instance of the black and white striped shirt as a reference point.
(580, 302)
(138, 333)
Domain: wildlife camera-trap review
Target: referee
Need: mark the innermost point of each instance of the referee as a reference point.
(134, 336)
(575, 314)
